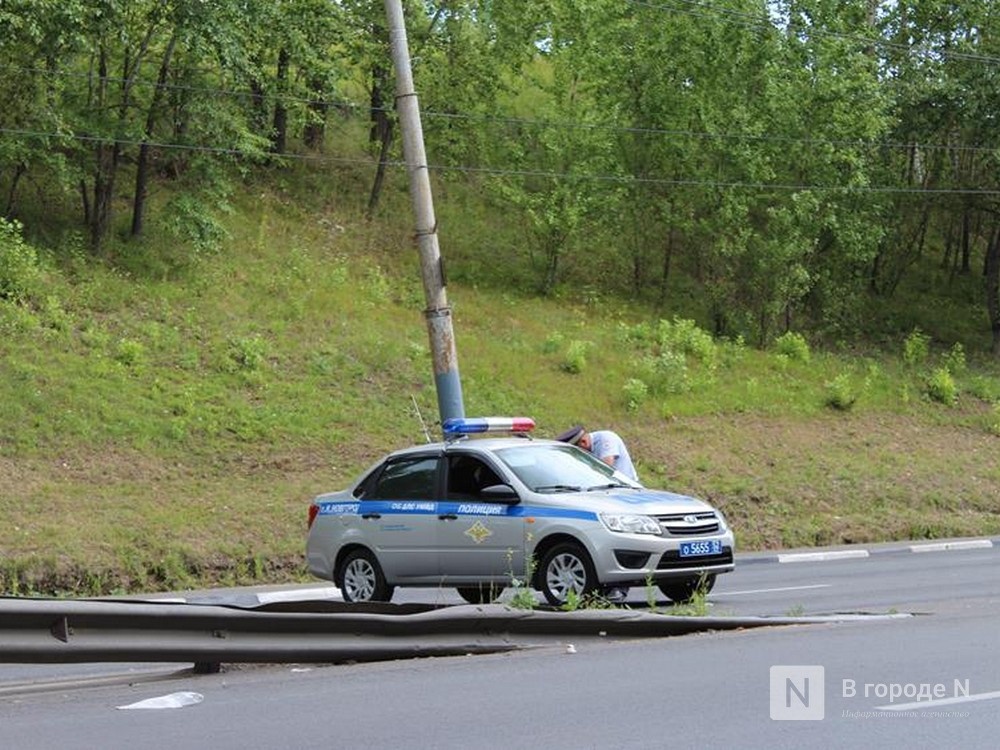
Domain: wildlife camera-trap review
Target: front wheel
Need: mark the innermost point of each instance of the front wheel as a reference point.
(361, 579)
(485, 593)
(566, 568)
(682, 590)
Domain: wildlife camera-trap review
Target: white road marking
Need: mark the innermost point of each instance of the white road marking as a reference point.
(768, 591)
(943, 546)
(940, 702)
(822, 556)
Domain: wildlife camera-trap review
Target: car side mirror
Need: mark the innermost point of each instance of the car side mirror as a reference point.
(499, 493)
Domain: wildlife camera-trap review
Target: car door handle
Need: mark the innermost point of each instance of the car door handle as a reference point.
(448, 517)
(369, 516)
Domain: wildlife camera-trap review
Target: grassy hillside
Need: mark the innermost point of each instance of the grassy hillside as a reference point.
(166, 416)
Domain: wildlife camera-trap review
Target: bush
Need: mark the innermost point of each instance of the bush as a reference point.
(840, 393)
(954, 361)
(19, 268)
(793, 346)
(247, 354)
(130, 352)
(994, 425)
(635, 391)
(576, 357)
(685, 337)
(941, 387)
(916, 348)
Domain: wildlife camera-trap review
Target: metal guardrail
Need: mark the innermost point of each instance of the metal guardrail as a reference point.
(64, 631)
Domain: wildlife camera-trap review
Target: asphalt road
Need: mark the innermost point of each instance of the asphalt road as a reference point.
(713, 689)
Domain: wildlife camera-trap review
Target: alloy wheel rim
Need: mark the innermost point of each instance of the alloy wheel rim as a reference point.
(359, 581)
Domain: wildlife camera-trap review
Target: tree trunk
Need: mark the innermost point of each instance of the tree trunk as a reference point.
(993, 289)
(966, 240)
(279, 135)
(18, 174)
(258, 106)
(383, 159)
(315, 131)
(142, 166)
(381, 132)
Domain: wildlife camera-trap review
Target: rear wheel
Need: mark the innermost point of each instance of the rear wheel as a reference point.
(481, 594)
(361, 579)
(682, 589)
(566, 568)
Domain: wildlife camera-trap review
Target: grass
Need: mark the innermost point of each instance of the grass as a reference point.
(165, 420)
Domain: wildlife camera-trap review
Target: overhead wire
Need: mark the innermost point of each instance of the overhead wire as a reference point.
(507, 172)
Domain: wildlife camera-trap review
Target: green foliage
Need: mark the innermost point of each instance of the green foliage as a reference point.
(246, 353)
(954, 360)
(674, 356)
(635, 392)
(20, 271)
(793, 346)
(841, 394)
(993, 426)
(575, 358)
(916, 348)
(553, 343)
(941, 387)
(130, 353)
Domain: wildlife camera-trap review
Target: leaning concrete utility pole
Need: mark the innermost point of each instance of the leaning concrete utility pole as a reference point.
(438, 313)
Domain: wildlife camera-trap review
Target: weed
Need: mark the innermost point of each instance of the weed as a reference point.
(916, 348)
(994, 420)
(524, 595)
(940, 386)
(553, 343)
(635, 392)
(130, 352)
(695, 606)
(797, 611)
(573, 601)
(840, 393)
(793, 346)
(20, 272)
(575, 358)
(652, 593)
(954, 361)
(247, 353)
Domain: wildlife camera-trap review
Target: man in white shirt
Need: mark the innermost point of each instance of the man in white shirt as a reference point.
(605, 444)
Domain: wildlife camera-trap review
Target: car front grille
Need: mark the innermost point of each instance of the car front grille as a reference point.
(689, 524)
(674, 561)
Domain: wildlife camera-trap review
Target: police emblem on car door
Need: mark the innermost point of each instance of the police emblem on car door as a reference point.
(478, 535)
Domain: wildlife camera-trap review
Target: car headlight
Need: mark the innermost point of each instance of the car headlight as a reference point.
(631, 523)
(723, 523)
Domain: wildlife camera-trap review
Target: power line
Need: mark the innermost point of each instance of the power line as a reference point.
(536, 123)
(500, 172)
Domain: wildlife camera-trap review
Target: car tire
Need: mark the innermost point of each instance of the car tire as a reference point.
(482, 594)
(682, 590)
(361, 578)
(566, 567)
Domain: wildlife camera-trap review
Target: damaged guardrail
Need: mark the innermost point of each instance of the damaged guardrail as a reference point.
(57, 631)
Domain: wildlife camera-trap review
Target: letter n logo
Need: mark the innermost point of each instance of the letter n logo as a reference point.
(797, 693)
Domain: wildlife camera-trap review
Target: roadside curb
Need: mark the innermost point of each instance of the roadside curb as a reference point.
(855, 553)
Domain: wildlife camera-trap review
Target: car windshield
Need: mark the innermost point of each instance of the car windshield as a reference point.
(560, 468)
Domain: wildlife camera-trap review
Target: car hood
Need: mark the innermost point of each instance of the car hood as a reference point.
(650, 502)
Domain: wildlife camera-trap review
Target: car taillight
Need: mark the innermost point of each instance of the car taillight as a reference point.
(313, 512)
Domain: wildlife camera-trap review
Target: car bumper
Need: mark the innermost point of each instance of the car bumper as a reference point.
(634, 559)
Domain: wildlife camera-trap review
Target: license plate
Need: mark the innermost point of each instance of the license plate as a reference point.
(697, 549)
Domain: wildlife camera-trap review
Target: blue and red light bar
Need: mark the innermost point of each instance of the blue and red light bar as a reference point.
(472, 425)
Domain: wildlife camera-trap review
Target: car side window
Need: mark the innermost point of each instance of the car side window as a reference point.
(467, 476)
(405, 479)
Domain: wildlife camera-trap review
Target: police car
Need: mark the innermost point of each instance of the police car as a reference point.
(486, 513)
